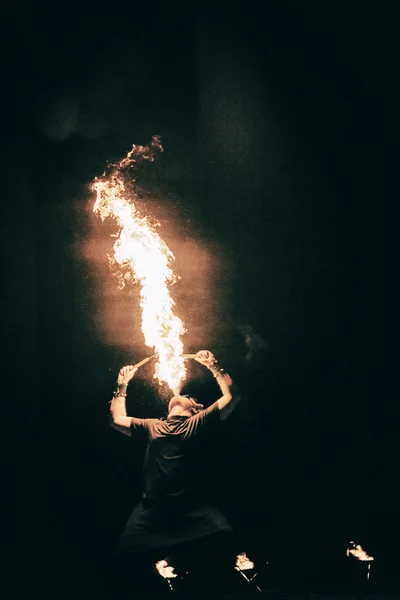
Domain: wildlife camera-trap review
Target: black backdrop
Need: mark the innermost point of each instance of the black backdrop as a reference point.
(270, 194)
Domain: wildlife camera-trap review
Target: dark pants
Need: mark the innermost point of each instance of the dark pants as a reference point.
(202, 566)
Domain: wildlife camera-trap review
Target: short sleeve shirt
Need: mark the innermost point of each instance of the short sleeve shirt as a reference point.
(170, 444)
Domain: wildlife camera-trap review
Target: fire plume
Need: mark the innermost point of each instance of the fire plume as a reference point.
(142, 256)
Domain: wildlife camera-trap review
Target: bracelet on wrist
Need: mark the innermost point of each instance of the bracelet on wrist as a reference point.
(216, 370)
(118, 394)
(219, 373)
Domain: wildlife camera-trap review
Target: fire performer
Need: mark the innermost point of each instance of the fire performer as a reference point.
(170, 520)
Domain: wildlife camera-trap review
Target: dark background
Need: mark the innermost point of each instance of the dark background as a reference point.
(275, 125)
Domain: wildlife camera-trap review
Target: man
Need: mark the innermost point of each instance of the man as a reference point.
(170, 517)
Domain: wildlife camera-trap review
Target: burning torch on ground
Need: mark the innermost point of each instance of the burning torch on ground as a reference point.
(359, 554)
(166, 572)
(243, 564)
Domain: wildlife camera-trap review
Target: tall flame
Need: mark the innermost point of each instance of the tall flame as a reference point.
(144, 257)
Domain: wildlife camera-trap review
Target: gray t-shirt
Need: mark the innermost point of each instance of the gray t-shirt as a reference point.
(171, 443)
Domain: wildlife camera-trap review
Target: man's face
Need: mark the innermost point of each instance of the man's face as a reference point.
(195, 407)
(194, 410)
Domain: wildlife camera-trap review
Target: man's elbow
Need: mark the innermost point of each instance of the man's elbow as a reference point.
(114, 422)
(236, 396)
(227, 404)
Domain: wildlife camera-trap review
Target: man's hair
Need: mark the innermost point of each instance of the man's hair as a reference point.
(186, 402)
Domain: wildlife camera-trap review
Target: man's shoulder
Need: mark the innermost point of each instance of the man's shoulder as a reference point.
(211, 410)
(210, 413)
(144, 423)
(153, 422)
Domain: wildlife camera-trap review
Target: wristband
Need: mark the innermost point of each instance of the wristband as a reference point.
(219, 373)
(215, 370)
(118, 394)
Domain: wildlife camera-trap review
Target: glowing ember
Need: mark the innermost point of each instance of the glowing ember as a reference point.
(165, 570)
(358, 552)
(142, 256)
(243, 563)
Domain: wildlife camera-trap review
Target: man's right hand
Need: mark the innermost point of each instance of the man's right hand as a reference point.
(126, 374)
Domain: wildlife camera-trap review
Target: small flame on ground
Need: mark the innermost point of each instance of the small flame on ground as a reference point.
(243, 563)
(358, 552)
(142, 256)
(165, 570)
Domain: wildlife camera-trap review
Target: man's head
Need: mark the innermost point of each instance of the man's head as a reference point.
(184, 405)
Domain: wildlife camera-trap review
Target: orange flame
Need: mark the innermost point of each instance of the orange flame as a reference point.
(243, 563)
(165, 570)
(144, 257)
(358, 552)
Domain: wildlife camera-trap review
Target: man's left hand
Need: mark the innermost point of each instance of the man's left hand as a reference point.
(206, 358)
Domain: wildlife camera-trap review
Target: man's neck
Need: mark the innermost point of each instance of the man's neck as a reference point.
(179, 412)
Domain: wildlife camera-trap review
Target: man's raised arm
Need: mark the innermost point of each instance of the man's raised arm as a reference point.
(118, 417)
(230, 393)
